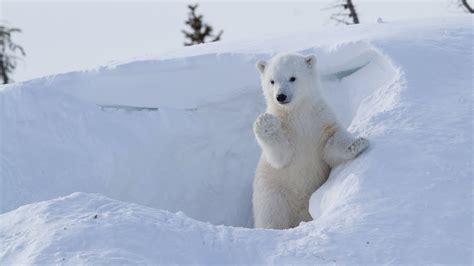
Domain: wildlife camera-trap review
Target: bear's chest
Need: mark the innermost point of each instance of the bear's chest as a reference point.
(306, 137)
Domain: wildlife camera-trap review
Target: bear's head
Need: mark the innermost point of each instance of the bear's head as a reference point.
(288, 79)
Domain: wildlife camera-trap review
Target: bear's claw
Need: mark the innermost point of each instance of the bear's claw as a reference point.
(358, 146)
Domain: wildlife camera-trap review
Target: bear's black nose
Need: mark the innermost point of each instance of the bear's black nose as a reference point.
(281, 98)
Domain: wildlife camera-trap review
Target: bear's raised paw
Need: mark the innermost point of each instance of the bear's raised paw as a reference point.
(267, 126)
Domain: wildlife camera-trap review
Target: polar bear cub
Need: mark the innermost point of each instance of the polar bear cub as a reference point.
(300, 140)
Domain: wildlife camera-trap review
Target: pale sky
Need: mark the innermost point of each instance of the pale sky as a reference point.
(60, 36)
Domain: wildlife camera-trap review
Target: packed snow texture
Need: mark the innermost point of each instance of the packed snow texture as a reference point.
(159, 155)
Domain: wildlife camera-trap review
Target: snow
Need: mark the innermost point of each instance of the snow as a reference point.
(151, 161)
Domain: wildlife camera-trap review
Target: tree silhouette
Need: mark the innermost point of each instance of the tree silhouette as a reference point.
(466, 6)
(200, 30)
(346, 14)
(8, 53)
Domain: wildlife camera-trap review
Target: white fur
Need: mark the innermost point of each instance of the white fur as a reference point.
(300, 140)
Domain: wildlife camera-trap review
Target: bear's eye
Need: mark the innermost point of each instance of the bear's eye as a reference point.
(272, 81)
(292, 79)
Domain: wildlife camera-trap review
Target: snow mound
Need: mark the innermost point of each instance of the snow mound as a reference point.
(90, 222)
(174, 134)
(92, 229)
(107, 132)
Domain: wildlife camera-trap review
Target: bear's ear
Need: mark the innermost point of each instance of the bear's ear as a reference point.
(310, 60)
(261, 66)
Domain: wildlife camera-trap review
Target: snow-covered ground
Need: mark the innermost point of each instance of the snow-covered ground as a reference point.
(151, 161)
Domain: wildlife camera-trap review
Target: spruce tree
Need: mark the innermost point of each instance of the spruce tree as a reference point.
(200, 32)
(346, 12)
(8, 53)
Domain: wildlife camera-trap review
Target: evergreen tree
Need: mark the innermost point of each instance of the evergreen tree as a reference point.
(346, 14)
(8, 53)
(466, 6)
(201, 31)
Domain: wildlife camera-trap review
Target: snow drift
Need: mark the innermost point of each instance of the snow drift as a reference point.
(174, 134)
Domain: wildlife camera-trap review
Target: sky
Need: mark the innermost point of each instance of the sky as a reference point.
(61, 36)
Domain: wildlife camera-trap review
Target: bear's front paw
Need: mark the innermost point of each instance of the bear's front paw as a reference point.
(267, 126)
(358, 146)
